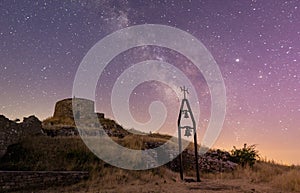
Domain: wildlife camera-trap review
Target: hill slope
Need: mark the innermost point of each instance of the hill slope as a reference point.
(70, 153)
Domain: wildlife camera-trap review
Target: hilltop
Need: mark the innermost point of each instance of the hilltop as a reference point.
(54, 144)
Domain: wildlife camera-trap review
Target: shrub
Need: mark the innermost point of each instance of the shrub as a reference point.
(245, 156)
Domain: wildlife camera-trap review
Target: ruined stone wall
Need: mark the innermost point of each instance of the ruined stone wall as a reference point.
(9, 133)
(26, 180)
(12, 132)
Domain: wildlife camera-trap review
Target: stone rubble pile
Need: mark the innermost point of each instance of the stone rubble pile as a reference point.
(212, 161)
(216, 161)
(12, 132)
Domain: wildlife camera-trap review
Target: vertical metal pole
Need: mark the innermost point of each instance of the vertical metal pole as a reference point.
(180, 155)
(180, 146)
(196, 155)
(195, 140)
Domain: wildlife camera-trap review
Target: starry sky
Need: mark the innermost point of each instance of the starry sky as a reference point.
(255, 43)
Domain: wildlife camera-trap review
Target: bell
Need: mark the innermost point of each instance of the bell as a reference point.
(187, 132)
(186, 115)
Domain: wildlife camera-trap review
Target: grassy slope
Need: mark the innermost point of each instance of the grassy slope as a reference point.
(70, 153)
(65, 153)
(61, 153)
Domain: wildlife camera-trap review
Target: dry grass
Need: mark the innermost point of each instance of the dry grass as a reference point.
(163, 180)
(70, 153)
(46, 153)
(288, 181)
(118, 180)
(61, 121)
(279, 177)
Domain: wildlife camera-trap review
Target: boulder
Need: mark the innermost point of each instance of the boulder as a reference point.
(9, 133)
(31, 126)
(12, 132)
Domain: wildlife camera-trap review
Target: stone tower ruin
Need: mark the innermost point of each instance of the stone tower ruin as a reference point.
(64, 108)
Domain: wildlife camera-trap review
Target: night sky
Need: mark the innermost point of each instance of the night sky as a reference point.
(255, 43)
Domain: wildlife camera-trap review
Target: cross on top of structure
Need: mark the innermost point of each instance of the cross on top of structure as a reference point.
(184, 90)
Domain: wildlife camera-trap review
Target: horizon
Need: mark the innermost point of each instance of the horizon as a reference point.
(227, 148)
(256, 45)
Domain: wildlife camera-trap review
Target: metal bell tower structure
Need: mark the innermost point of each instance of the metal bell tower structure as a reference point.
(186, 111)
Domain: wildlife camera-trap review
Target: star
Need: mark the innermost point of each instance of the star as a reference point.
(255, 44)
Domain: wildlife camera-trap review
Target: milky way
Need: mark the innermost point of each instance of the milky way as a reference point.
(255, 43)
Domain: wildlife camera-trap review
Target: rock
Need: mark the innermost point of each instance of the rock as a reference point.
(9, 133)
(100, 115)
(212, 161)
(12, 132)
(216, 161)
(31, 126)
(63, 131)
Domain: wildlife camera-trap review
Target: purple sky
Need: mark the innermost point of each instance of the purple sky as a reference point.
(255, 43)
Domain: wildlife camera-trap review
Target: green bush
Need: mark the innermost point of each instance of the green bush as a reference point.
(245, 156)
